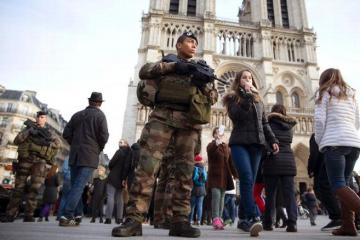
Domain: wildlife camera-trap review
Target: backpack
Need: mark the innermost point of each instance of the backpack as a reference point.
(199, 176)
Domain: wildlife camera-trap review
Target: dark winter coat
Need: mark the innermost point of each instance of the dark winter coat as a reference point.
(119, 167)
(51, 189)
(250, 125)
(135, 155)
(316, 158)
(282, 163)
(221, 168)
(87, 134)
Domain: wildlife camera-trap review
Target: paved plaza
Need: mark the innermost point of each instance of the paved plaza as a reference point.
(51, 231)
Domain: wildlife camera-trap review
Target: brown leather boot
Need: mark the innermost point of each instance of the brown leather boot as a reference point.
(350, 203)
(348, 226)
(349, 198)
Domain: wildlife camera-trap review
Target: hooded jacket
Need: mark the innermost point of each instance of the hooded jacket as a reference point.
(282, 163)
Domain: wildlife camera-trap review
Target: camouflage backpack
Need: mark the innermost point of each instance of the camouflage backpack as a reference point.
(146, 92)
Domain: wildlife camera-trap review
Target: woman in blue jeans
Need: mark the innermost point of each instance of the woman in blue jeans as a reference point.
(250, 133)
(336, 133)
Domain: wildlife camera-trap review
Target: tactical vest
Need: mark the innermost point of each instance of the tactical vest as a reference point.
(28, 148)
(175, 92)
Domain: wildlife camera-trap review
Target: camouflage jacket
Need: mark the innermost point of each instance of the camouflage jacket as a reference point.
(24, 137)
(163, 71)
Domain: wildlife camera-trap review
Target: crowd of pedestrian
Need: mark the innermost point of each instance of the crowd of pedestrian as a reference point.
(164, 180)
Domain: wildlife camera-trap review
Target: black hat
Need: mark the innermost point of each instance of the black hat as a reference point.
(39, 113)
(96, 97)
(186, 35)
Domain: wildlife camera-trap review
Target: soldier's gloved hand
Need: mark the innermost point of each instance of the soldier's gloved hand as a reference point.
(183, 68)
(33, 131)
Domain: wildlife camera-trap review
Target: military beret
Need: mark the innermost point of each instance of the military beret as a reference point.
(40, 113)
(186, 35)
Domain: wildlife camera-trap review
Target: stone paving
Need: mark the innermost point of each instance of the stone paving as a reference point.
(50, 230)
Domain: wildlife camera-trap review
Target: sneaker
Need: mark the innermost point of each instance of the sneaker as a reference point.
(291, 228)
(29, 219)
(40, 219)
(107, 221)
(243, 225)
(184, 229)
(267, 227)
(255, 227)
(78, 219)
(128, 229)
(228, 222)
(217, 224)
(68, 222)
(333, 224)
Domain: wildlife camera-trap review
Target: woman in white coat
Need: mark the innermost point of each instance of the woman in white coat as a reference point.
(336, 133)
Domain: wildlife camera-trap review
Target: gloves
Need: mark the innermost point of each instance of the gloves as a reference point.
(184, 68)
(33, 131)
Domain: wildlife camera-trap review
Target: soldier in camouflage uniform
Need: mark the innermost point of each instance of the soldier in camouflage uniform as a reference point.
(164, 188)
(170, 121)
(163, 193)
(37, 147)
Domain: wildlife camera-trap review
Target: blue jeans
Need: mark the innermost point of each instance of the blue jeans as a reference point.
(229, 207)
(340, 162)
(198, 203)
(73, 203)
(247, 159)
(64, 193)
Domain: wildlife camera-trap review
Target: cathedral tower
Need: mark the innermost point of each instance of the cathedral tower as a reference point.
(271, 38)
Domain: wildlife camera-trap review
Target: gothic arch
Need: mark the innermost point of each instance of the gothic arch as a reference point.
(227, 70)
(300, 93)
(285, 94)
(289, 78)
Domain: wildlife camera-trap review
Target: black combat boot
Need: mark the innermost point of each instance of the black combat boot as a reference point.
(7, 218)
(184, 229)
(128, 229)
(29, 219)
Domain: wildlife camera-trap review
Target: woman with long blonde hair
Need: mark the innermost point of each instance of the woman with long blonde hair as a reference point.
(336, 133)
(250, 134)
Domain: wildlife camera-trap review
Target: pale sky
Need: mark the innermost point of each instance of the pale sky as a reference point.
(65, 49)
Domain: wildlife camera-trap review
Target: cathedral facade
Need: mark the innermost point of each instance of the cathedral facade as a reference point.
(271, 38)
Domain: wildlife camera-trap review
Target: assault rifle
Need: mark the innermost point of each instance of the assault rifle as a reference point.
(201, 72)
(40, 136)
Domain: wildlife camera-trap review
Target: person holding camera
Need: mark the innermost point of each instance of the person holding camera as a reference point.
(37, 147)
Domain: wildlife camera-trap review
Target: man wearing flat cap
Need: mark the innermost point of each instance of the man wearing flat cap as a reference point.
(87, 134)
(37, 147)
(172, 125)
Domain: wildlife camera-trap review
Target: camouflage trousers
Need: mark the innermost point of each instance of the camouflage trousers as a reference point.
(164, 186)
(154, 141)
(37, 173)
